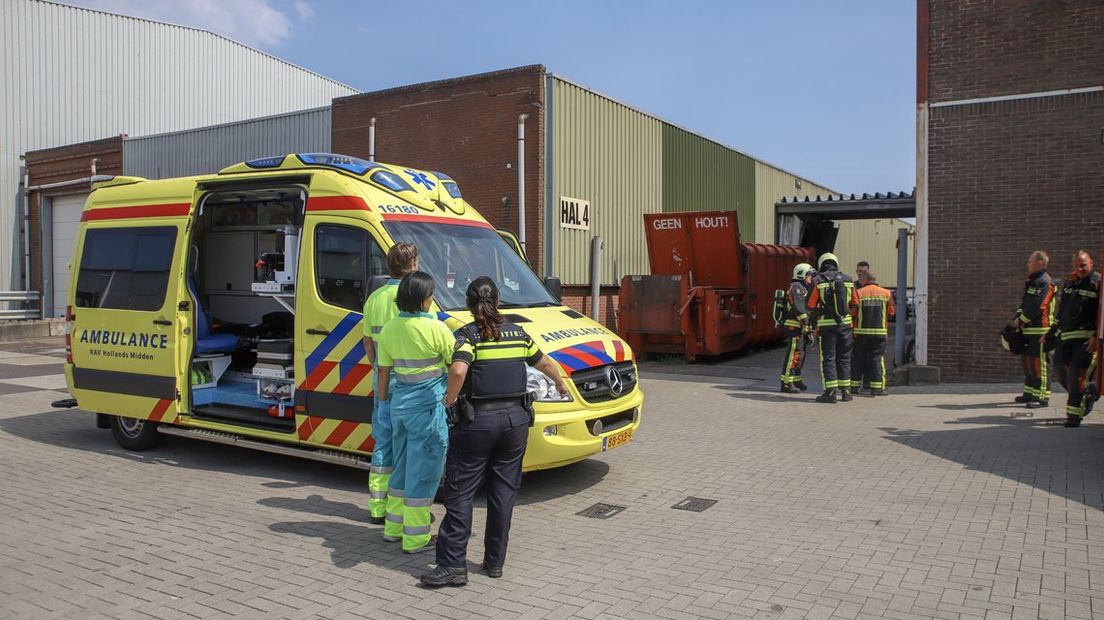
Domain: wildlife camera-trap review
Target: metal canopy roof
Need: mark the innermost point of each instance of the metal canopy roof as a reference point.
(843, 207)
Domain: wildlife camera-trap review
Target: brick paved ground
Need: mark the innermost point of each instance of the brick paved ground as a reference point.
(932, 503)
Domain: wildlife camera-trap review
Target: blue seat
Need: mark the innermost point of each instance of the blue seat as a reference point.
(206, 342)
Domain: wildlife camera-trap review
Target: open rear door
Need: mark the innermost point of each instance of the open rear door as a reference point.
(128, 326)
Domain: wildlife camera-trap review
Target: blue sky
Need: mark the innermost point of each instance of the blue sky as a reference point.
(824, 89)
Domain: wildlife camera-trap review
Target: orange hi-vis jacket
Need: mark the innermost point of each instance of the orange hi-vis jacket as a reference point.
(874, 311)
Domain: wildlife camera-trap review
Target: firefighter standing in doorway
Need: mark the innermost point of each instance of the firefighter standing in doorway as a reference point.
(871, 329)
(1034, 318)
(831, 301)
(1076, 329)
(797, 325)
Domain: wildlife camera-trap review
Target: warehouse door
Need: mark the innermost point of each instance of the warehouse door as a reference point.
(65, 215)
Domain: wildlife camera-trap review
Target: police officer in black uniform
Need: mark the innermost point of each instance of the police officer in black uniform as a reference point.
(488, 392)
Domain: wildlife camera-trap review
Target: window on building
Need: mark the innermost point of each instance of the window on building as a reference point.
(125, 268)
(345, 258)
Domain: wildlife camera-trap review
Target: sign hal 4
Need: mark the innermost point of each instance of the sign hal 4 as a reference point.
(574, 213)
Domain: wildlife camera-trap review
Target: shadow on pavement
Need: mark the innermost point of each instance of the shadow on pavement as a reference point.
(972, 406)
(1037, 452)
(77, 431)
(352, 545)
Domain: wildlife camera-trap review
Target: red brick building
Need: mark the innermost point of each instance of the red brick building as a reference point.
(1011, 135)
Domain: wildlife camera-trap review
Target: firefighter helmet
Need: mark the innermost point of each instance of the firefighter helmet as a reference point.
(801, 270)
(827, 257)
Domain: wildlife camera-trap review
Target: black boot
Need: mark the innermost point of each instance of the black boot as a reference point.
(789, 389)
(829, 396)
(1024, 398)
(801, 386)
(1073, 421)
(1037, 404)
(845, 395)
(445, 576)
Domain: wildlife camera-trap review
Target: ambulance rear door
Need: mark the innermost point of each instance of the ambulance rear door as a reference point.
(129, 310)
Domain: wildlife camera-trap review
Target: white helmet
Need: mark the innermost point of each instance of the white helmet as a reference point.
(800, 270)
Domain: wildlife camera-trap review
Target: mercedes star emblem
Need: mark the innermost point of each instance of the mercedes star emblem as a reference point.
(616, 383)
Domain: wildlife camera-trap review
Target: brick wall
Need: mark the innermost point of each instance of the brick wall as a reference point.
(984, 48)
(578, 298)
(64, 164)
(466, 128)
(1009, 177)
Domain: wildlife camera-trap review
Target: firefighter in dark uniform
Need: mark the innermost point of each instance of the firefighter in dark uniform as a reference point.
(831, 302)
(1076, 330)
(488, 389)
(1034, 318)
(796, 322)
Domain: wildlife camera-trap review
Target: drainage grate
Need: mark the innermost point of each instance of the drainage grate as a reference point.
(694, 504)
(601, 511)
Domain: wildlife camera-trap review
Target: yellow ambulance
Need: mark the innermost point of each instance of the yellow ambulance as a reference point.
(227, 308)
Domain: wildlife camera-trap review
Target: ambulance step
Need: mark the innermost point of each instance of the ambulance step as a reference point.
(253, 418)
(325, 456)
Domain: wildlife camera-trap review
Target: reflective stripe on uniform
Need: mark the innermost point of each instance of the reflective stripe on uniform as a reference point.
(416, 530)
(422, 363)
(1079, 334)
(381, 470)
(418, 503)
(419, 376)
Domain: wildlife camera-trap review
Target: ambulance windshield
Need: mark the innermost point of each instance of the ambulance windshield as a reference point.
(455, 255)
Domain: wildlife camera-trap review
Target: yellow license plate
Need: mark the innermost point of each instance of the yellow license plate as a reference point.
(617, 439)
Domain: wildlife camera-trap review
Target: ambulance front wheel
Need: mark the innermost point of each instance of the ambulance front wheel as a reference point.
(136, 435)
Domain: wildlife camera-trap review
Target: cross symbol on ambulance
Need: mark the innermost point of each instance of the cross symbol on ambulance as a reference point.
(420, 178)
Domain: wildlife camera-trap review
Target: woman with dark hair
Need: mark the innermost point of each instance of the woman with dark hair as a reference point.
(489, 369)
(418, 347)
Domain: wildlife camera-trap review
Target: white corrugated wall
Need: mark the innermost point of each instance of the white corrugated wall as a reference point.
(70, 75)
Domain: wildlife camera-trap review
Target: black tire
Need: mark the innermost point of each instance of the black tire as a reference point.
(135, 435)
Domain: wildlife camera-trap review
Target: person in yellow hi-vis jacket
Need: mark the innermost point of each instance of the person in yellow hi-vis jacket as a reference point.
(419, 348)
(380, 308)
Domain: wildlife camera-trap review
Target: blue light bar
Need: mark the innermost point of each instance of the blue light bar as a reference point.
(452, 188)
(341, 162)
(266, 162)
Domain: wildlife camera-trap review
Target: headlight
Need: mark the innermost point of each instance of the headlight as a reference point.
(542, 388)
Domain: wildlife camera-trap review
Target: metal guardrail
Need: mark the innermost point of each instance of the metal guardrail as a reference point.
(21, 297)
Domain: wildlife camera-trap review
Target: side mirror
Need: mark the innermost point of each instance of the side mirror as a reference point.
(554, 287)
(374, 282)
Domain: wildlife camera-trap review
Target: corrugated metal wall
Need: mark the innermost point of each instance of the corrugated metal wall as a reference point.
(71, 75)
(874, 241)
(700, 175)
(210, 149)
(611, 155)
(771, 184)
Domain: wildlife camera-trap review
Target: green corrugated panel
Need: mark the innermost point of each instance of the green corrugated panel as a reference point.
(610, 155)
(771, 185)
(700, 175)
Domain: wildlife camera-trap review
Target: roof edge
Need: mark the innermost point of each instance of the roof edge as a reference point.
(475, 77)
(689, 131)
(205, 31)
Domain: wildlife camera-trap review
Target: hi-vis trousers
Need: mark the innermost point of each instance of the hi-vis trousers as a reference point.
(835, 357)
(795, 357)
(383, 461)
(1036, 373)
(420, 441)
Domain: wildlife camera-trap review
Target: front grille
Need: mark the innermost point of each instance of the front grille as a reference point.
(593, 383)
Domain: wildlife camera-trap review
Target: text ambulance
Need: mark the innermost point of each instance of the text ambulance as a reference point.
(228, 308)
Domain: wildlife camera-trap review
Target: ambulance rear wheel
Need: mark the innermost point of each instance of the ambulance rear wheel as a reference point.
(136, 435)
